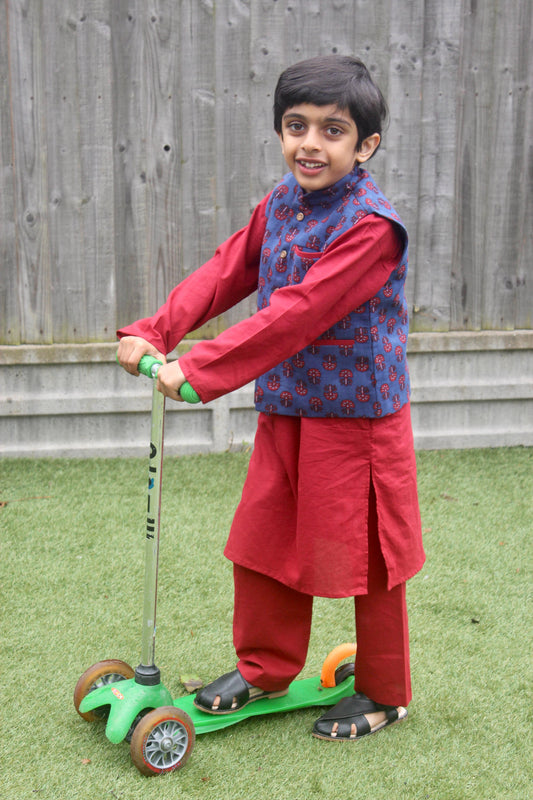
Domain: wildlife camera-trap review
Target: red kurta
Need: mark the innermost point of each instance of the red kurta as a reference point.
(303, 518)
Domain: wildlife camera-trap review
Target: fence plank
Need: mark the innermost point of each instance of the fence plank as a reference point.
(524, 282)
(404, 92)
(26, 47)
(267, 61)
(94, 66)
(129, 170)
(371, 36)
(195, 103)
(302, 29)
(69, 309)
(158, 70)
(336, 23)
(9, 300)
(436, 194)
(507, 162)
(233, 125)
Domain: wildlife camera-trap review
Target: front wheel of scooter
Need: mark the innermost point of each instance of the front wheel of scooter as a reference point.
(100, 674)
(162, 741)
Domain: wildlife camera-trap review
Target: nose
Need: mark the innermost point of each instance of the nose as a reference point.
(311, 140)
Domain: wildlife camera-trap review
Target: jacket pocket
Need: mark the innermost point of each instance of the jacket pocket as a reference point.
(304, 259)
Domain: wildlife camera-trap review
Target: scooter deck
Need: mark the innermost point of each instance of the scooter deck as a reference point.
(302, 694)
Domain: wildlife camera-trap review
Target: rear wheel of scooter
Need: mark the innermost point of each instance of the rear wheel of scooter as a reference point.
(100, 674)
(333, 672)
(343, 672)
(162, 741)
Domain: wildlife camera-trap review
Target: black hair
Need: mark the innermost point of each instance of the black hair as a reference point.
(323, 80)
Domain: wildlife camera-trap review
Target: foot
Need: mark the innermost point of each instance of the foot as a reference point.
(355, 717)
(229, 693)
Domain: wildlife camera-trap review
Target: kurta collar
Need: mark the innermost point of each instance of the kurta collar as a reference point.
(325, 197)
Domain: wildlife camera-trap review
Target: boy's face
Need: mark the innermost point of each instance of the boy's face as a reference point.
(319, 144)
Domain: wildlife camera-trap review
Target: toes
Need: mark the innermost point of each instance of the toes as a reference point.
(217, 700)
(335, 730)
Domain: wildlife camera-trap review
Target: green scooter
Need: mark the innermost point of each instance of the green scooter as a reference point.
(137, 707)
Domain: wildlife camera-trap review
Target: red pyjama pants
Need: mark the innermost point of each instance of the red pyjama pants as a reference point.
(272, 625)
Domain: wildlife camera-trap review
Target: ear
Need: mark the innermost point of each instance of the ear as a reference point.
(368, 148)
(280, 137)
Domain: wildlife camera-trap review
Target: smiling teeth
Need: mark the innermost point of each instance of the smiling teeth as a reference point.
(311, 164)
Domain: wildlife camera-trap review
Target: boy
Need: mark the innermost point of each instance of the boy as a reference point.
(329, 507)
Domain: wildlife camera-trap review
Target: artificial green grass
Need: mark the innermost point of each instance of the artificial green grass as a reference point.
(71, 574)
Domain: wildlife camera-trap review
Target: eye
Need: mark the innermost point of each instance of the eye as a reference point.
(333, 131)
(295, 126)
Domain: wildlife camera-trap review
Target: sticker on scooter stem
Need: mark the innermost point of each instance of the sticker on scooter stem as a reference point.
(150, 528)
(150, 523)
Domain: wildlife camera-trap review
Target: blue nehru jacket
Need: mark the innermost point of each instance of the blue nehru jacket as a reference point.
(357, 368)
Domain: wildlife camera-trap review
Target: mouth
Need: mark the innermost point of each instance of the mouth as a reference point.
(312, 166)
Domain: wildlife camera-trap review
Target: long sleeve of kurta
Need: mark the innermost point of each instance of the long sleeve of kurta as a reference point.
(220, 283)
(348, 273)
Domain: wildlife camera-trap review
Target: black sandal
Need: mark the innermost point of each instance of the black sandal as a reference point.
(230, 693)
(347, 721)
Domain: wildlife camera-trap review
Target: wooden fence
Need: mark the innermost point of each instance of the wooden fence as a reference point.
(136, 135)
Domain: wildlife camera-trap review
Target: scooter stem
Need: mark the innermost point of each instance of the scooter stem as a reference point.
(147, 673)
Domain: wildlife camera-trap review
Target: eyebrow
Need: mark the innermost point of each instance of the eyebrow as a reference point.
(337, 120)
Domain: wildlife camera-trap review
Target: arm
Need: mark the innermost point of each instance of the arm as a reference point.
(350, 271)
(219, 284)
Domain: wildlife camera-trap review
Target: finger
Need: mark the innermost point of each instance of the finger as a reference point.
(168, 390)
(127, 360)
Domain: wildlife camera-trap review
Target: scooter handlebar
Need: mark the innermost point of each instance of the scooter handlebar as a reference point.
(148, 365)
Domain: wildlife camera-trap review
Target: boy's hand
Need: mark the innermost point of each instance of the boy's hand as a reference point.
(170, 379)
(130, 351)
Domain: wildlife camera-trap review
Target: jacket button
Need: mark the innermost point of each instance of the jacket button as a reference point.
(299, 216)
(283, 254)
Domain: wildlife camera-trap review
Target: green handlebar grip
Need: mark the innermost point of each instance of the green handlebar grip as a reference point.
(188, 393)
(146, 367)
